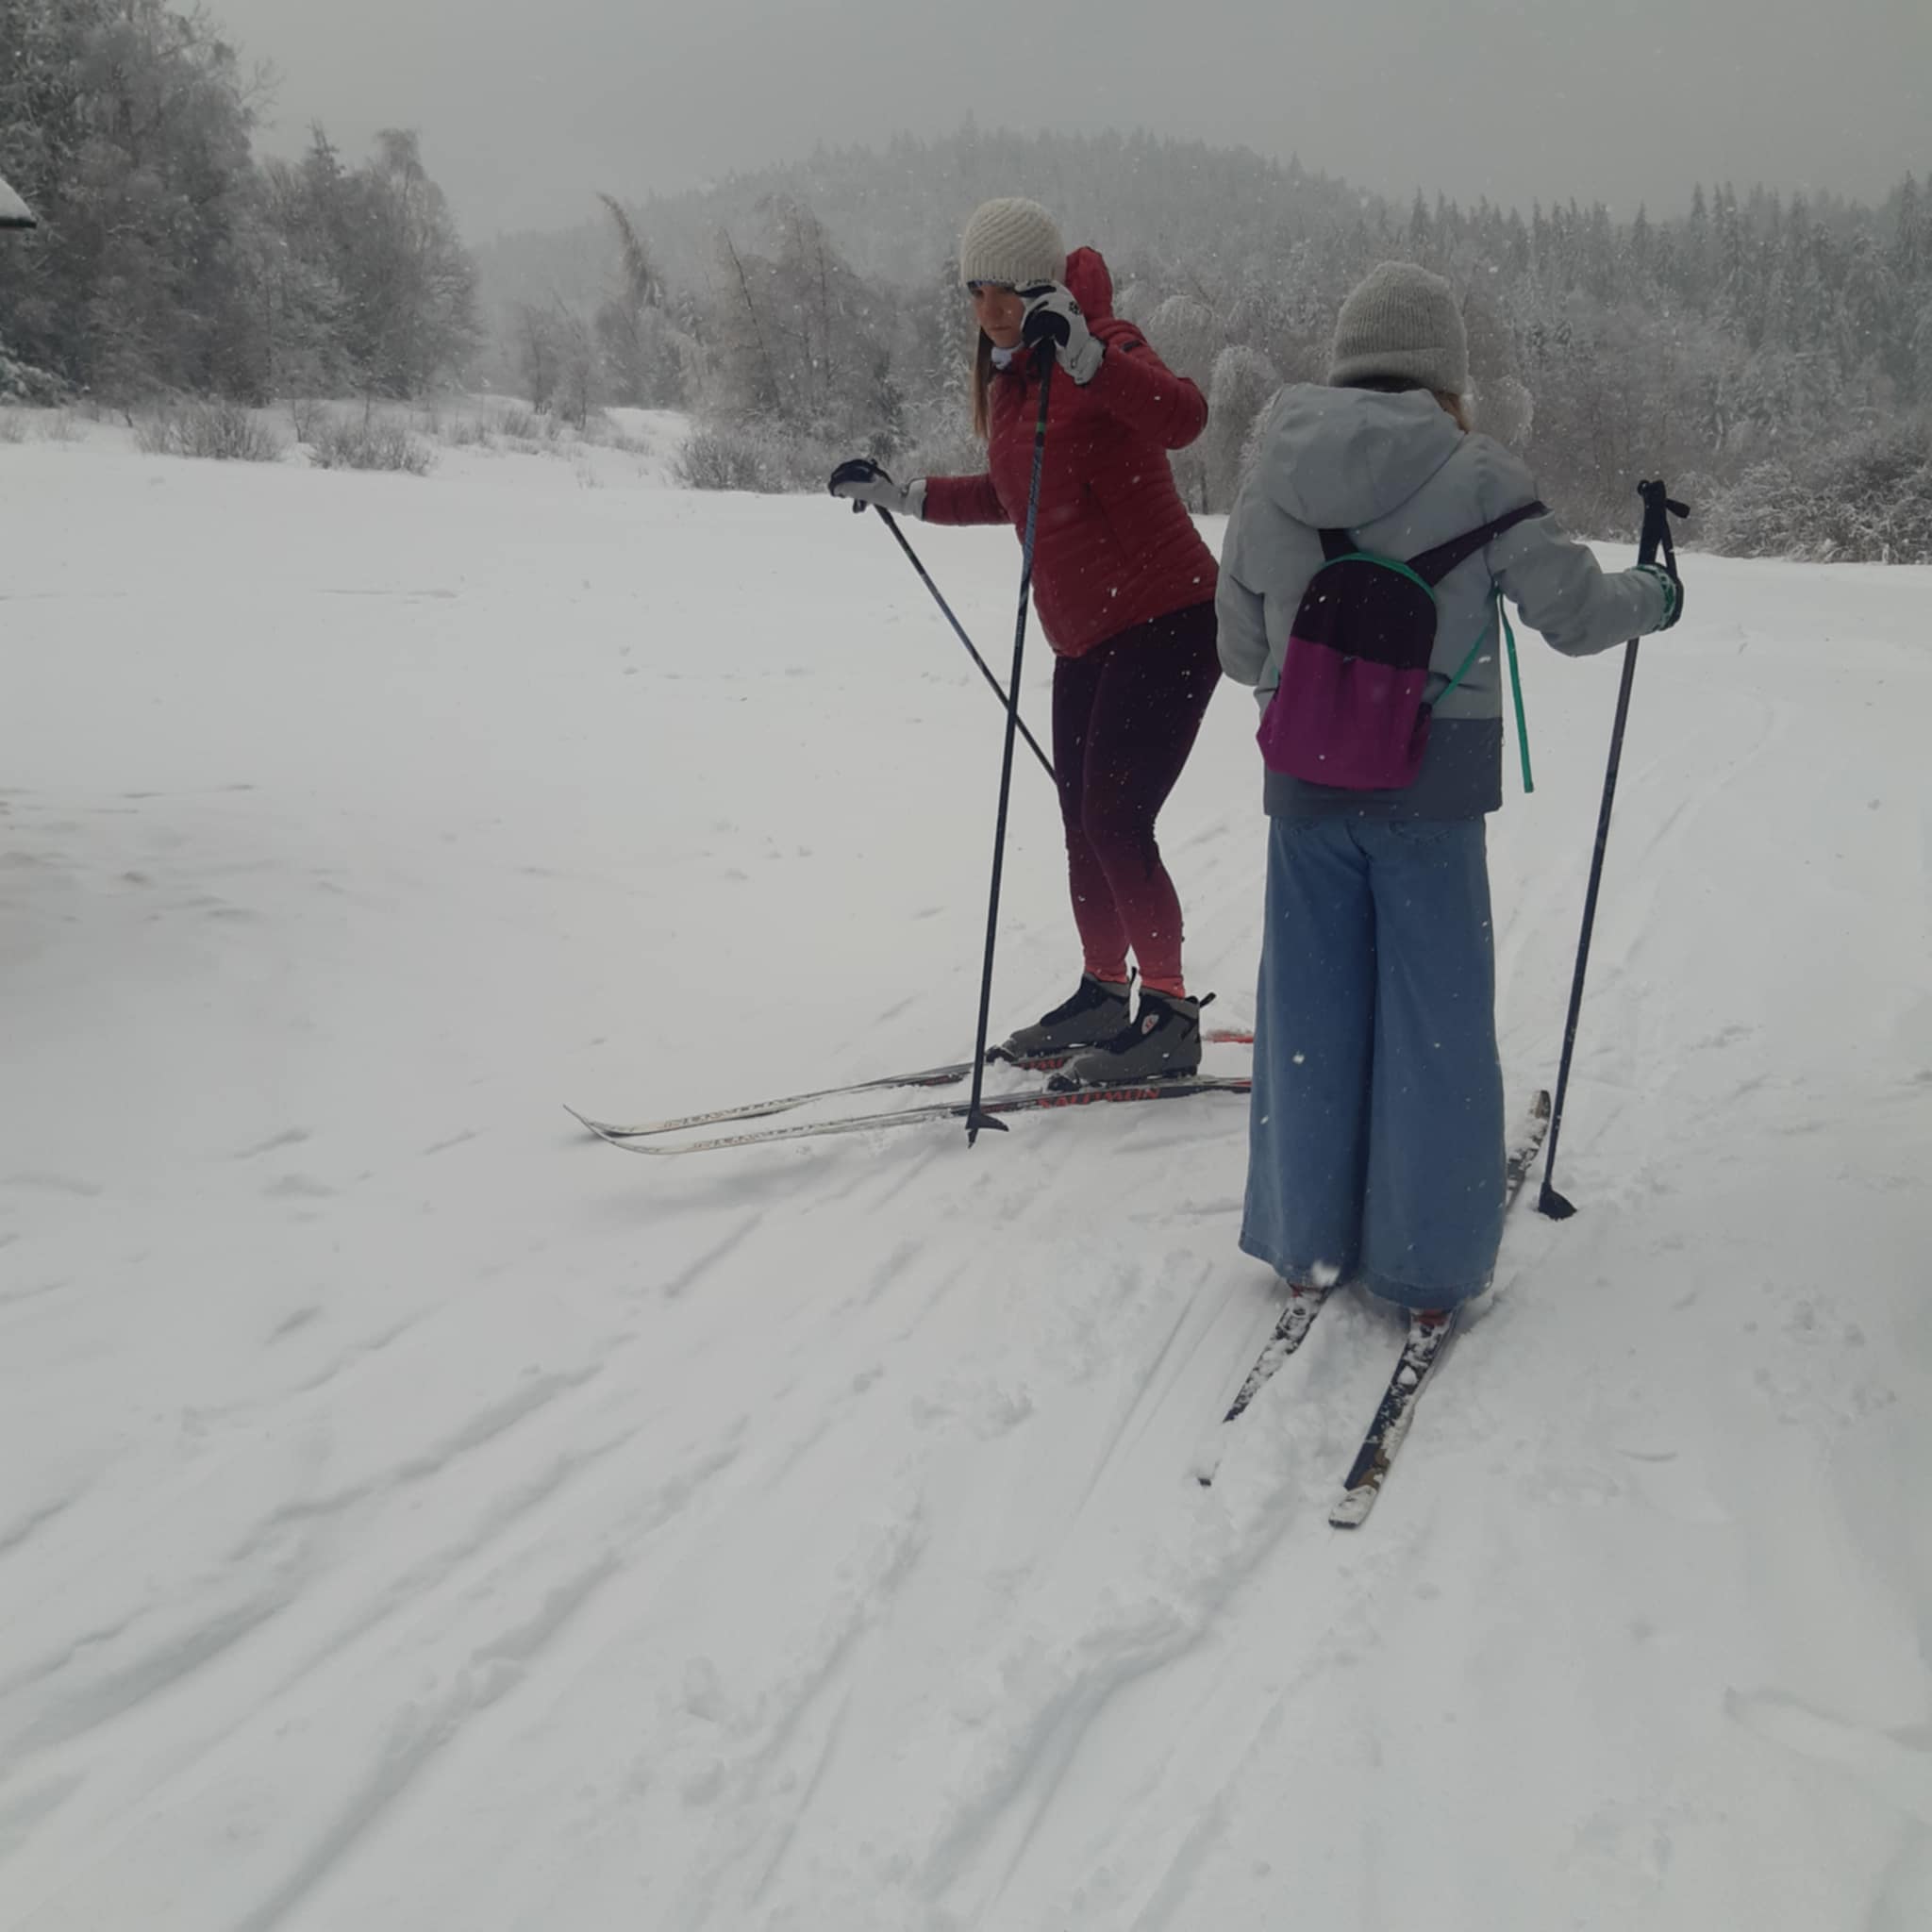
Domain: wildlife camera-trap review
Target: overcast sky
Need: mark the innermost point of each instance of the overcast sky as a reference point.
(527, 106)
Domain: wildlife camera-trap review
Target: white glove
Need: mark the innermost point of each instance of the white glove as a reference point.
(862, 481)
(1053, 321)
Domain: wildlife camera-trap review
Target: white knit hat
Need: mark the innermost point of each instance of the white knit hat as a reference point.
(1402, 321)
(1013, 242)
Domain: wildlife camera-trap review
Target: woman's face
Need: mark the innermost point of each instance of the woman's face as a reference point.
(999, 312)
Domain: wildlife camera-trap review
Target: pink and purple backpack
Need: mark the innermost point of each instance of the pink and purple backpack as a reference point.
(1352, 708)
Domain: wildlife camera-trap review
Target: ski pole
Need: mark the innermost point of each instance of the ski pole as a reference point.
(891, 524)
(1658, 510)
(975, 1117)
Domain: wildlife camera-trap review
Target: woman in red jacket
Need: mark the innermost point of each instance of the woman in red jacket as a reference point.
(1124, 588)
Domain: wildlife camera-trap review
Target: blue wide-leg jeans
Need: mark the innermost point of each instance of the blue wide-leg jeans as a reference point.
(1375, 1139)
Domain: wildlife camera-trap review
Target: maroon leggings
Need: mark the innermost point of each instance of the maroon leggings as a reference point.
(1124, 718)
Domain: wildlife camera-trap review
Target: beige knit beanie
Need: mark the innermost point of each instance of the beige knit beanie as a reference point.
(1013, 241)
(1402, 321)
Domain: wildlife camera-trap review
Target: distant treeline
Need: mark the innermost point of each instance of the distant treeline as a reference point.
(1775, 357)
(169, 260)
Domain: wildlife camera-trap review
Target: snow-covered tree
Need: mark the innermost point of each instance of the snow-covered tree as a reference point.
(1243, 384)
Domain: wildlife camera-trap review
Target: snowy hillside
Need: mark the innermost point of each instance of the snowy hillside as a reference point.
(415, 1515)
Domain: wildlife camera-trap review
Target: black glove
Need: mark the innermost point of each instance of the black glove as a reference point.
(862, 481)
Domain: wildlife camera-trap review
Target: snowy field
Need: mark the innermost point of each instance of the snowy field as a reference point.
(414, 1515)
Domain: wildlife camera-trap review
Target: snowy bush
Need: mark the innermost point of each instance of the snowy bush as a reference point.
(723, 458)
(535, 427)
(525, 431)
(1505, 409)
(220, 431)
(20, 382)
(42, 426)
(308, 415)
(766, 458)
(1243, 384)
(1869, 501)
(372, 442)
(603, 433)
(460, 431)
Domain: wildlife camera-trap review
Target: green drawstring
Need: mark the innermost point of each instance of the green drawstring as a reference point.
(1516, 685)
(1461, 670)
(1394, 563)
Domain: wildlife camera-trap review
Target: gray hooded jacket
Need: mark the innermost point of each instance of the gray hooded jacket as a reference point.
(1400, 477)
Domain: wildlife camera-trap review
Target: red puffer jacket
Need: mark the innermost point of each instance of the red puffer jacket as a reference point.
(1114, 545)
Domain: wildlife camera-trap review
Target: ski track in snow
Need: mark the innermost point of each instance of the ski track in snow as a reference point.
(416, 1515)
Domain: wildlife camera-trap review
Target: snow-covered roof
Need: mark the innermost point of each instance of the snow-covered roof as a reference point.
(14, 212)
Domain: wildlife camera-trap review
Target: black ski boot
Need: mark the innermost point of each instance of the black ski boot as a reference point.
(1163, 1043)
(1095, 1013)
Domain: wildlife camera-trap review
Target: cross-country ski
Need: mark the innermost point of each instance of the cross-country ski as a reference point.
(1305, 1301)
(1048, 1100)
(1430, 1335)
(949, 1076)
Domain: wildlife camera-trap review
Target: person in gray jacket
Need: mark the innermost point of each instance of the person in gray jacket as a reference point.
(1375, 1142)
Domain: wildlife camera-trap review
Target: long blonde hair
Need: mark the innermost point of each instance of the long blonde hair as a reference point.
(982, 387)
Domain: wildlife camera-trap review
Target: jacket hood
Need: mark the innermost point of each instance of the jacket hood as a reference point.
(1089, 284)
(1336, 459)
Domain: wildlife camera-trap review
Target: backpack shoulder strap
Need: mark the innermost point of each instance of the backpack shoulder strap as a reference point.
(1432, 566)
(1336, 543)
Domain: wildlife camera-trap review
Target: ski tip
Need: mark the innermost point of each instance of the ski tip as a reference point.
(1351, 1511)
(606, 1130)
(609, 1136)
(1540, 1108)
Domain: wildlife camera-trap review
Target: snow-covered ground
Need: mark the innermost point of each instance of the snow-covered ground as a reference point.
(414, 1515)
